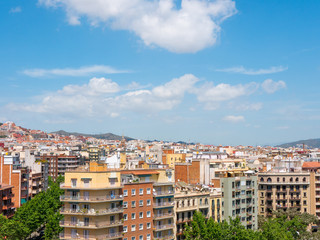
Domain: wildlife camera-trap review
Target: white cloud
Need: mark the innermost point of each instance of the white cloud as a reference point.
(96, 86)
(15, 10)
(245, 71)
(271, 86)
(100, 97)
(190, 27)
(73, 72)
(234, 119)
(211, 95)
(246, 106)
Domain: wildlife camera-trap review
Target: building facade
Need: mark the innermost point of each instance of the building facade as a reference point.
(92, 203)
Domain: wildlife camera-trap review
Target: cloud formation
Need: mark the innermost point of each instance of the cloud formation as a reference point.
(15, 9)
(211, 95)
(234, 119)
(271, 86)
(72, 72)
(102, 97)
(188, 28)
(246, 71)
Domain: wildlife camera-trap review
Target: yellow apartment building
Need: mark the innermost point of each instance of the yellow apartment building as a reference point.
(92, 203)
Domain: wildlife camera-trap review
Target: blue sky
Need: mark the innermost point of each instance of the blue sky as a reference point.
(215, 72)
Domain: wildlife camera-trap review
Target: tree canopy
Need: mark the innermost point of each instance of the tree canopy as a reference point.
(41, 211)
(290, 225)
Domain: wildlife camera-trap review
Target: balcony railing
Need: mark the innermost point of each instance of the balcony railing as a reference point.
(7, 206)
(163, 215)
(91, 211)
(91, 237)
(8, 196)
(165, 237)
(164, 204)
(91, 198)
(163, 193)
(164, 226)
(90, 224)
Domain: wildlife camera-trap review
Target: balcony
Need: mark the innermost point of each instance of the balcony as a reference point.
(65, 198)
(282, 206)
(294, 191)
(183, 220)
(163, 193)
(163, 216)
(8, 196)
(163, 204)
(204, 205)
(7, 206)
(89, 225)
(91, 237)
(89, 187)
(163, 227)
(91, 212)
(165, 237)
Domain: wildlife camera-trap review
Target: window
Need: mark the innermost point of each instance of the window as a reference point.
(141, 191)
(148, 214)
(125, 204)
(141, 203)
(133, 238)
(148, 202)
(148, 225)
(133, 192)
(133, 216)
(125, 217)
(141, 237)
(125, 239)
(148, 190)
(73, 182)
(133, 228)
(86, 182)
(125, 192)
(140, 214)
(125, 229)
(133, 204)
(141, 226)
(304, 202)
(149, 236)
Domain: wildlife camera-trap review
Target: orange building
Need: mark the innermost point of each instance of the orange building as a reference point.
(11, 173)
(6, 203)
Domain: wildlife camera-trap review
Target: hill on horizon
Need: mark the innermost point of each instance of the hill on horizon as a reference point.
(107, 136)
(309, 143)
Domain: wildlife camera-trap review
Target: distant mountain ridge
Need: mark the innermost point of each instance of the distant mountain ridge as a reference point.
(309, 143)
(107, 136)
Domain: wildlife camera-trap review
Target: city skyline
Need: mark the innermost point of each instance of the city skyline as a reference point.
(215, 72)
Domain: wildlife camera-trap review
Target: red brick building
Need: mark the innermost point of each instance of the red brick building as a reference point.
(188, 172)
(6, 203)
(11, 173)
(138, 205)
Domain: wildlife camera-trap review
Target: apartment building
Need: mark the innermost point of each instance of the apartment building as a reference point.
(163, 207)
(138, 204)
(92, 203)
(6, 200)
(215, 205)
(58, 164)
(283, 190)
(239, 197)
(189, 199)
(35, 184)
(94, 153)
(12, 173)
